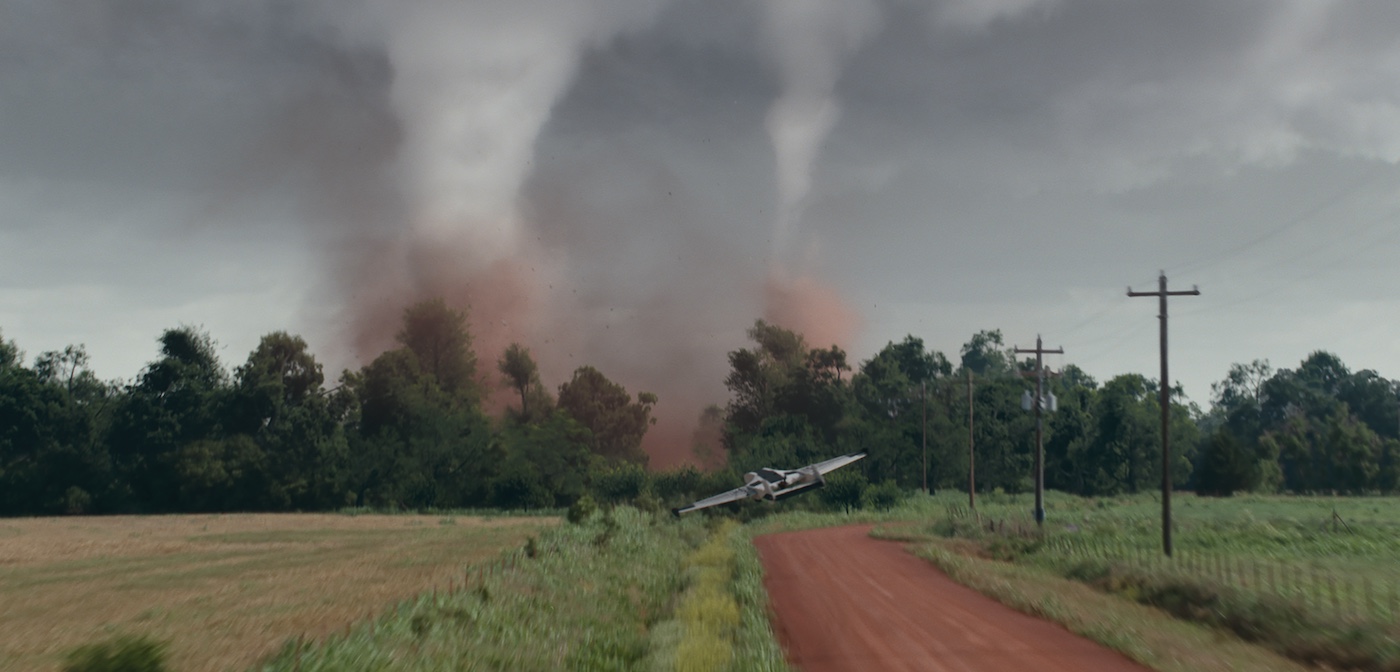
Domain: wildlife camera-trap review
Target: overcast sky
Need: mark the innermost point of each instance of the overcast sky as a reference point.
(941, 167)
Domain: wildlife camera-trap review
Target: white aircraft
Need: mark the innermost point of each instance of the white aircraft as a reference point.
(775, 484)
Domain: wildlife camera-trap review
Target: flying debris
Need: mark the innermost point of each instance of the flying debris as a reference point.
(775, 484)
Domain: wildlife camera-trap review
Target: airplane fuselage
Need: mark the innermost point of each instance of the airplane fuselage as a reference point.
(774, 484)
(766, 483)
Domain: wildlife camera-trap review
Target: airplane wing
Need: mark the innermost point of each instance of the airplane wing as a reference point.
(723, 498)
(796, 490)
(837, 462)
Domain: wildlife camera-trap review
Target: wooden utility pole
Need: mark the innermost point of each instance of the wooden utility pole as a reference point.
(1165, 401)
(923, 429)
(1039, 444)
(971, 460)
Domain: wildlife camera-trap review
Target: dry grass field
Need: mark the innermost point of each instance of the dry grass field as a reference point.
(226, 589)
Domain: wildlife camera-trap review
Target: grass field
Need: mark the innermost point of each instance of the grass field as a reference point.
(223, 590)
(640, 591)
(1333, 554)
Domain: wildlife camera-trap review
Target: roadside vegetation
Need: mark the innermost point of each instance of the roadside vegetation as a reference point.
(580, 596)
(620, 589)
(1312, 579)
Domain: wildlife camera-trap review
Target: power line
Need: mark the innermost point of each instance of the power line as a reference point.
(1123, 334)
(1287, 225)
(1097, 315)
(1090, 319)
(1293, 280)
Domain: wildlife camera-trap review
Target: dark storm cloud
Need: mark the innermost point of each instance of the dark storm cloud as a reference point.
(173, 161)
(985, 156)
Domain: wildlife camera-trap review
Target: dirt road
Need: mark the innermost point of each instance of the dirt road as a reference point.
(844, 601)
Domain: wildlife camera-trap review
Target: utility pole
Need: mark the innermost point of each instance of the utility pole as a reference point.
(923, 428)
(1039, 444)
(971, 463)
(1165, 401)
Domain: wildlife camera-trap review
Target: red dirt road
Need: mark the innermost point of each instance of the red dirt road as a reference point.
(844, 601)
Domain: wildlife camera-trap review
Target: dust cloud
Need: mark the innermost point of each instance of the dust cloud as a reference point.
(462, 95)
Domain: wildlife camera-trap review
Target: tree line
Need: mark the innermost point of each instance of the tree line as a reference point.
(1317, 428)
(409, 430)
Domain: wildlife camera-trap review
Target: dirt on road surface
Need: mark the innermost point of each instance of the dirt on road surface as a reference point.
(844, 601)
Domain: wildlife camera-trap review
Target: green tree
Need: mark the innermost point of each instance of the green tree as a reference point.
(985, 354)
(438, 338)
(1237, 402)
(707, 442)
(550, 457)
(827, 364)
(74, 470)
(882, 497)
(1125, 453)
(176, 400)
(617, 482)
(521, 373)
(228, 474)
(677, 486)
(278, 400)
(417, 446)
(421, 439)
(784, 441)
(617, 423)
(1004, 436)
(843, 490)
(43, 445)
(9, 353)
(1373, 400)
(1226, 467)
(1323, 372)
(891, 393)
(1069, 431)
(756, 376)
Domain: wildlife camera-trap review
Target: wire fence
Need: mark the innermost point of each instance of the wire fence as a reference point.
(1307, 584)
(1364, 592)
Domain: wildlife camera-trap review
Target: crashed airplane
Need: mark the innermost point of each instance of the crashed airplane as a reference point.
(775, 484)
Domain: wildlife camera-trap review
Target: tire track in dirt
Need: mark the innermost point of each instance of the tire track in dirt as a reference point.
(844, 601)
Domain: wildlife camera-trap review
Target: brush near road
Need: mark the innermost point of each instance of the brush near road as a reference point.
(844, 601)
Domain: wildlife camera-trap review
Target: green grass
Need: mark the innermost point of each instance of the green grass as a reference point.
(1284, 572)
(1286, 547)
(1145, 634)
(755, 646)
(121, 654)
(590, 598)
(708, 612)
(222, 591)
(626, 590)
